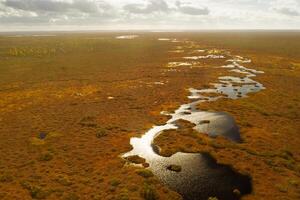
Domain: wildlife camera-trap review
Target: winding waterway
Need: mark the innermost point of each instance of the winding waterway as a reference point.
(201, 177)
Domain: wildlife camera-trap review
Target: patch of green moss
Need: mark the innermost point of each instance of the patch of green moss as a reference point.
(145, 173)
(47, 156)
(36, 192)
(149, 193)
(135, 159)
(175, 168)
(123, 195)
(101, 133)
(5, 178)
(115, 182)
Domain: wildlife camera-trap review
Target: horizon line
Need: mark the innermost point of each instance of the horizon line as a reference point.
(152, 30)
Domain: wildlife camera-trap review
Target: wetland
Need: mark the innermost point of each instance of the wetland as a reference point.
(144, 115)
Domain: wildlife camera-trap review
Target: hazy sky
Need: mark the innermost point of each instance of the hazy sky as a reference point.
(148, 14)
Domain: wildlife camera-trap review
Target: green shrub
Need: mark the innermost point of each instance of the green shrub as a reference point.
(101, 133)
(149, 193)
(145, 173)
(5, 178)
(135, 159)
(175, 168)
(46, 156)
(115, 182)
(36, 192)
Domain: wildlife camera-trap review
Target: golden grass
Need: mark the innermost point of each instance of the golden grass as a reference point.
(51, 91)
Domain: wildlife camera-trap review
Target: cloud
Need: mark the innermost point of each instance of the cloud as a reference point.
(55, 12)
(149, 7)
(150, 14)
(162, 6)
(53, 5)
(286, 7)
(287, 11)
(189, 9)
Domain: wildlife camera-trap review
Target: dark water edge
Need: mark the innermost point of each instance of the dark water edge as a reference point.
(198, 176)
(201, 177)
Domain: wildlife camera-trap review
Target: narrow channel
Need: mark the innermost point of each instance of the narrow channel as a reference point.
(201, 177)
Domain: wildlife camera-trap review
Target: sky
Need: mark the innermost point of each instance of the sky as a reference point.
(24, 15)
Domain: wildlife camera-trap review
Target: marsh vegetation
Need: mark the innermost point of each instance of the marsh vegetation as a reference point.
(90, 96)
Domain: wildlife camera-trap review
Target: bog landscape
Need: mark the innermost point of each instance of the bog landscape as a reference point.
(150, 115)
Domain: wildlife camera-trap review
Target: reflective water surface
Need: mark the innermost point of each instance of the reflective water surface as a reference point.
(200, 176)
